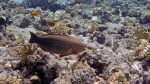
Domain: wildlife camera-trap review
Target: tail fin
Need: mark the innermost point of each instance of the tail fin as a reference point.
(33, 38)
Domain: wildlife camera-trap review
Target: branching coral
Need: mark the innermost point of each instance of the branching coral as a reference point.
(61, 28)
(13, 36)
(27, 50)
(83, 74)
(94, 26)
(118, 78)
(10, 80)
(74, 13)
(78, 65)
(4, 43)
(140, 34)
(142, 51)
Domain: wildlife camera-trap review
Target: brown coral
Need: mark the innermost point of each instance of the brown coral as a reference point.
(81, 73)
(78, 65)
(118, 78)
(13, 36)
(94, 26)
(5, 42)
(61, 28)
(140, 34)
(27, 50)
(142, 51)
(10, 80)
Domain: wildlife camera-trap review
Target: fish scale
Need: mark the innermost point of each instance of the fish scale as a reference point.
(46, 42)
(61, 49)
(55, 45)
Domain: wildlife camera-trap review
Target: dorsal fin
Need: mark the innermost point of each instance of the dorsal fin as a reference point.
(55, 34)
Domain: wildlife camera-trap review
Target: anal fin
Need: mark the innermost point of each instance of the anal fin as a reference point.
(70, 52)
(62, 55)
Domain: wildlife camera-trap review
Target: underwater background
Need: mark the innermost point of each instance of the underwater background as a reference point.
(116, 32)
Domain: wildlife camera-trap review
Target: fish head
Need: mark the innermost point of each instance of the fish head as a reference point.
(79, 47)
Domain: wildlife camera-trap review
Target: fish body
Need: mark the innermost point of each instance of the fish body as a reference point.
(34, 13)
(59, 44)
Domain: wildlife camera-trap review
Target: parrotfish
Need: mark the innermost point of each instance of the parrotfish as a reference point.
(59, 44)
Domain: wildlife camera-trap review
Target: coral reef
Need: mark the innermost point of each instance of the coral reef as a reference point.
(116, 33)
(82, 76)
(118, 78)
(142, 51)
(140, 34)
(25, 23)
(98, 65)
(37, 65)
(61, 28)
(78, 74)
(35, 80)
(4, 43)
(145, 19)
(94, 26)
(64, 77)
(10, 80)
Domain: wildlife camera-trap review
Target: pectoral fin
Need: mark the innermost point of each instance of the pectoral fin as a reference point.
(69, 53)
(72, 51)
